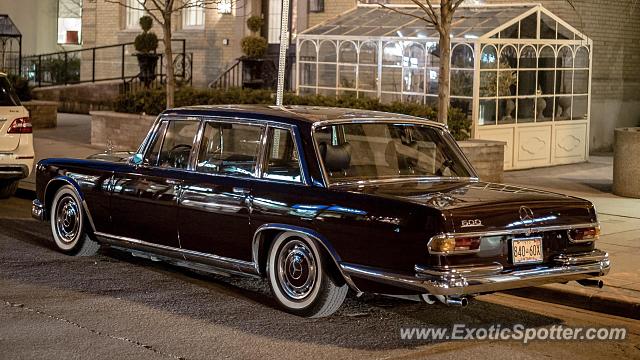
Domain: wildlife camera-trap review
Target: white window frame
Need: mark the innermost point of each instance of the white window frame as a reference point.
(133, 12)
(274, 21)
(193, 16)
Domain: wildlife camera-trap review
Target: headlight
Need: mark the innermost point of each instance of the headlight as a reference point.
(447, 244)
(587, 234)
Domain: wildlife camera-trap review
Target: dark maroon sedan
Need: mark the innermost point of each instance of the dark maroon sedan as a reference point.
(319, 201)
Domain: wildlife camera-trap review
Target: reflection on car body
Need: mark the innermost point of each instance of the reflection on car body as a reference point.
(319, 201)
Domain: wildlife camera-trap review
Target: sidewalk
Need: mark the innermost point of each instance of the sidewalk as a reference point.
(619, 217)
(71, 138)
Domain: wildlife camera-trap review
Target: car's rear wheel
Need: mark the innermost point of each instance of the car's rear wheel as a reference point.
(299, 279)
(8, 188)
(68, 224)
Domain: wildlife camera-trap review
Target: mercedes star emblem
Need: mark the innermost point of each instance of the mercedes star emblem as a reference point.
(526, 214)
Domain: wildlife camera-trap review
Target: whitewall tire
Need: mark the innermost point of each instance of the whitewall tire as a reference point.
(299, 279)
(68, 224)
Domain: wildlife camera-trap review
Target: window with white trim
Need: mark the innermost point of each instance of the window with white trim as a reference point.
(274, 21)
(316, 5)
(193, 14)
(133, 12)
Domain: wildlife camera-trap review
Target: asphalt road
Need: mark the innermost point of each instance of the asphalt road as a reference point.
(115, 306)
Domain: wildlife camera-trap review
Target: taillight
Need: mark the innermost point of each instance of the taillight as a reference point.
(444, 245)
(20, 126)
(584, 234)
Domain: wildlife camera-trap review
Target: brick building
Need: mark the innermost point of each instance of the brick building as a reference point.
(213, 37)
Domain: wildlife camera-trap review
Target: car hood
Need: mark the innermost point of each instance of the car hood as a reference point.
(470, 206)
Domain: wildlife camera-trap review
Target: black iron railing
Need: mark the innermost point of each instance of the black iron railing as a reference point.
(100, 63)
(232, 77)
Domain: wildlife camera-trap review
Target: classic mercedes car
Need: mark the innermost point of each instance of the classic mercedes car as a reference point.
(319, 201)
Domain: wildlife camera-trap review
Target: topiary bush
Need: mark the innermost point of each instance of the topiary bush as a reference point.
(254, 23)
(254, 46)
(147, 42)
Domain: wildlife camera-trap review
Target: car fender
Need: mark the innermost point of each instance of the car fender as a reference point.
(312, 234)
(68, 181)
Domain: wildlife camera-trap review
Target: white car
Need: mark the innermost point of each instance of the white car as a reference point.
(16, 139)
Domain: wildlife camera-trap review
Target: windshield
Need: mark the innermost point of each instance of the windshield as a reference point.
(378, 151)
(8, 96)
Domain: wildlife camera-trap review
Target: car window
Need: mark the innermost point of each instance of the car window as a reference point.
(229, 149)
(8, 96)
(173, 149)
(154, 150)
(373, 151)
(282, 157)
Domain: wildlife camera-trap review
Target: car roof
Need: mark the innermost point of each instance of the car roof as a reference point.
(290, 114)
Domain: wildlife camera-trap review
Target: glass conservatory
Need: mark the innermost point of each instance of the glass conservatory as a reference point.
(520, 72)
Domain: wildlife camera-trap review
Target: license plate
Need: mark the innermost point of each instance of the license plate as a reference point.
(526, 251)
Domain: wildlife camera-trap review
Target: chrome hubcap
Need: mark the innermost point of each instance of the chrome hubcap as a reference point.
(296, 269)
(67, 219)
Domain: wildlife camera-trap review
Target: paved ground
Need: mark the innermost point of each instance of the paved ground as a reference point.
(113, 305)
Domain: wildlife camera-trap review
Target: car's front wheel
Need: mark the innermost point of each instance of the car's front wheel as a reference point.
(8, 188)
(68, 224)
(299, 279)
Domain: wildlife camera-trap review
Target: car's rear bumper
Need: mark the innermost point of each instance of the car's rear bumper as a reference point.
(13, 171)
(469, 280)
(37, 210)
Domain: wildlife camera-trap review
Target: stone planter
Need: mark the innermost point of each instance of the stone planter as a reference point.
(120, 130)
(486, 156)
(626, 167)
(43, 114)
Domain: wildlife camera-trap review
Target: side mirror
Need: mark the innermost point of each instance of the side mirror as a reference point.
(137, 159)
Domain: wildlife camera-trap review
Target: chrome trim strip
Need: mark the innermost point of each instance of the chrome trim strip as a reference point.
(233, 265)
(257, 240)
(530, 230)
(472, 270)
(582, 258)
(458, 284)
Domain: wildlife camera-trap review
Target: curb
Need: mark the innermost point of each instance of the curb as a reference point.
(585, 298)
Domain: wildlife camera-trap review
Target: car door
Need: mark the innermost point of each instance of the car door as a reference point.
(144, 202)
(215, 202)
(281, 194)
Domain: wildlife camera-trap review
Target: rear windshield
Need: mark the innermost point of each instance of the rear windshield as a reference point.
(8, 96)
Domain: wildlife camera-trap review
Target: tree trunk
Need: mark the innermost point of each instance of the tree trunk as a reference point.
(171, 80)
(445, 64)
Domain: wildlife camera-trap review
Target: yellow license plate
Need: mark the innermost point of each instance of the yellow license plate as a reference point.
(526, 251)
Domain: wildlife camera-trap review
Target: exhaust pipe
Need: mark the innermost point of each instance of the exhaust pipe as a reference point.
(447, 300)
(596, 283)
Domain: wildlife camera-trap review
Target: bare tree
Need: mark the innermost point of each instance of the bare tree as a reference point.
(440, 17)
(162, 12)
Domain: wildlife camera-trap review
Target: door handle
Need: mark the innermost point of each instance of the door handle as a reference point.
(243, 191)
(173, 182)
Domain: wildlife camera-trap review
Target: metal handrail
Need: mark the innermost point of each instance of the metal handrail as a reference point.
(65, 67)
(232, 77)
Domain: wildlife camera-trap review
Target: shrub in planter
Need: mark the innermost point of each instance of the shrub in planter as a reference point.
(153, 102)
(254, 47)
(146, 45)
(254, 23)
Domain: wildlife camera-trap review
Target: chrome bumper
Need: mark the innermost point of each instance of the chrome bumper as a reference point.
(37, 210)
(469, 280)
(13, 171)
